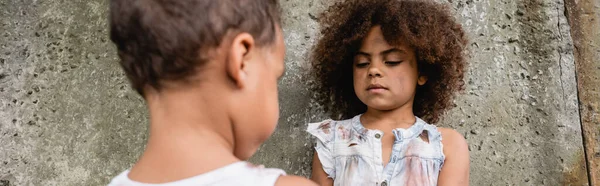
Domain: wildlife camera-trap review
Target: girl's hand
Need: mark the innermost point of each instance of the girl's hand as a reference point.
(455, 171)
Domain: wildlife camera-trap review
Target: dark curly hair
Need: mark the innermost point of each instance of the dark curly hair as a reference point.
(428, 27)
(167, 40)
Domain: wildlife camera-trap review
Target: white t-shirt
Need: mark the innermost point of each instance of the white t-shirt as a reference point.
(237, 174)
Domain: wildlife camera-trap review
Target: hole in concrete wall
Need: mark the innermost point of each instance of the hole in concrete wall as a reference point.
(4, 183)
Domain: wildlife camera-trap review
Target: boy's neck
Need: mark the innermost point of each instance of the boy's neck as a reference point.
(190, 134)
(401, 117)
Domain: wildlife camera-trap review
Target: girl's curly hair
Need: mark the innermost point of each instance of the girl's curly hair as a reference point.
(428, 27)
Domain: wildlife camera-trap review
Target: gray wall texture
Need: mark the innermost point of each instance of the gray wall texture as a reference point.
(530, 111)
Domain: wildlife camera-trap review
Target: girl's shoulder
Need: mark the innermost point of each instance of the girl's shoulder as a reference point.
(325, 130)
(453, 141)
(450, 135)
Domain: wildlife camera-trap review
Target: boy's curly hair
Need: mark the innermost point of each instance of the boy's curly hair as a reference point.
(428, 27)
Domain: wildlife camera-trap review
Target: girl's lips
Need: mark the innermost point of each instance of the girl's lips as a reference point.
(376, 88)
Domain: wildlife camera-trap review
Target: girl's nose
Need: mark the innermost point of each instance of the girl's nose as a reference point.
(374, 71)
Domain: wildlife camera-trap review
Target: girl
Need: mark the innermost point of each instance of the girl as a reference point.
(386, 69)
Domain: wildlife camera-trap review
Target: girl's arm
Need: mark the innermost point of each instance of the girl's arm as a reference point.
(318, 174)
(455, 171)
(294, 181)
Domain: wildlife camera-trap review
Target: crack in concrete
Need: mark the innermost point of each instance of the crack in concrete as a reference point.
(560, 50)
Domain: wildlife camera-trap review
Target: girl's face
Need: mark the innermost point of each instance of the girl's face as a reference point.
(385, 76)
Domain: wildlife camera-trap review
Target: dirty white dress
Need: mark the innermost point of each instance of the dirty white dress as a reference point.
(352, 155)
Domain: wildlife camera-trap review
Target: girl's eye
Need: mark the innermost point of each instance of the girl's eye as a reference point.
(362, 64)
(393, 63)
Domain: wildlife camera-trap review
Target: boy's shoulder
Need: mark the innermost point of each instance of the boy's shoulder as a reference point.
(240, 173)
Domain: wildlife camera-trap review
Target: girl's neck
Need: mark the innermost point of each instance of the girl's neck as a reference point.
(401, 117)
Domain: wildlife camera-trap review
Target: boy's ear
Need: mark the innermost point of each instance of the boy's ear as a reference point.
(422, 80)
(237, 58)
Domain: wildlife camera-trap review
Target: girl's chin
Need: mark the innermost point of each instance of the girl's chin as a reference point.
(380, 107)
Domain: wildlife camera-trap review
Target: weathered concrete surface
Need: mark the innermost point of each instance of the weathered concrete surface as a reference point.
(584, 18)
(520, 112)
(67, 116)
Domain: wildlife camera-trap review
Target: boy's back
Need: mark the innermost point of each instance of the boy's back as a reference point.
(208, 71)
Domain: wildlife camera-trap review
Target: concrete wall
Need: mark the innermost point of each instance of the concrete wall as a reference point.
(68, 116)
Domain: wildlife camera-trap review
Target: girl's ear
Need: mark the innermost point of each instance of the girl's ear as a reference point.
(422, 80)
